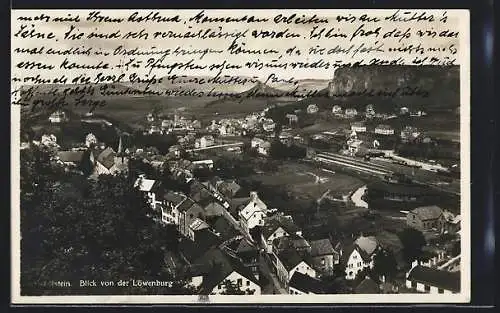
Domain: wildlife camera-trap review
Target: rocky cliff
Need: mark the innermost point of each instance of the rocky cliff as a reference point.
(417, 87)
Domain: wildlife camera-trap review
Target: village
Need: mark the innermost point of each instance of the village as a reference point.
(259, 203)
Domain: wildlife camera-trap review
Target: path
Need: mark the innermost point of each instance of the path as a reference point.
(357, 197)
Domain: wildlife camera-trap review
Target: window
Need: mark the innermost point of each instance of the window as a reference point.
(440, 290)
(414, 284)
(219, 287)
(240, 282)
(191, 215)
(248, 283)
(350, 273)
(355, 257)
(427, 288)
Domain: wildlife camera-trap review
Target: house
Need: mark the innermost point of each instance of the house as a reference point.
(323, 256)
(359, 255)
(227, 269)
(262, 146)
(194, 252)
(337, 109)
(312, 109)
(58, 117)
(358, 127)
(425, 218)
(370, 111)
(212, 207)
(276, 227)
(188, 212)
(209, 164)
(253, 213)
(229, 188)
(196, 225)
(223, 227)
(268, 124)
(150, 117)
(49, 140)
(302, 284)
(292, 242)
(367, 286)
(150, 188)
(409, 133)
(74, 159)
(170, 208)
(354, 146)
(204, 142)
(167, 125)
(383, 129)
(432, 280)
(287, 263)
(108, 162)
(245, 251)
(451, 224)
(404, 111)
(175, 151)
(90, 140)
(351, 112)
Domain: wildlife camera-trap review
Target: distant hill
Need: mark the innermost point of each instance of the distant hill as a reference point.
(303, 85)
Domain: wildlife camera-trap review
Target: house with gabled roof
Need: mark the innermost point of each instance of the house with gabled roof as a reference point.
(303, 284)
(324, 256)
(151, 189)
(246, 251)
(222, 227)
(425, 218)
(189, 210)
(367, 286)
(74, 159)
(359, 255)
(108, 162)
(289, 261)
(170, 207)
(252, 213)
(195, 227)
(226, 268)
(276, 227)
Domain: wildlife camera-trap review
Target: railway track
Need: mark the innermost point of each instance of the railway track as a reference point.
(361, 166)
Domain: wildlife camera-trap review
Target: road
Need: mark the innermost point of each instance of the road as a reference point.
(274, 286)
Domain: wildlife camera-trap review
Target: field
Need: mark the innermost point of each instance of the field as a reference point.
(305, 180)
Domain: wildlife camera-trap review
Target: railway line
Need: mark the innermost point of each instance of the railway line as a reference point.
(354, 164)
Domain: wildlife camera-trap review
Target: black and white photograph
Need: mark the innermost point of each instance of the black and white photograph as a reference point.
(185, 156)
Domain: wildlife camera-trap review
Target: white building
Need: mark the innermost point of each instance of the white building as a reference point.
(287, 263)
(337, 109)
(90, 140)
(49, 140)
(149, 187)
(312, 109)
(252, 213)
(409, 133)
(384, 130)
(351, 112)
(262, 146)
(204, 142)
(170, 207)
(58, 117)
(358, 127)
(359, 256)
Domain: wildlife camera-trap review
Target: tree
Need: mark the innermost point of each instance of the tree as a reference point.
(413, 241)
(101, 233)
(385, 264)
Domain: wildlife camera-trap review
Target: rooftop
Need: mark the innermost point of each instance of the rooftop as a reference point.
(437, 278)
(71, 156)
(321, 247)
(428, 212)
(367, 286)
(306, 283)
